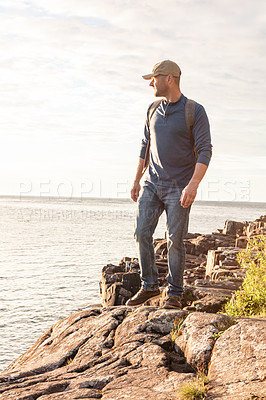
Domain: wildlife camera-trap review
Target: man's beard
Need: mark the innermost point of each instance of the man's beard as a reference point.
(157, 93)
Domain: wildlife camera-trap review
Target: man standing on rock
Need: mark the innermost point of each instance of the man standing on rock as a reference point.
(176, 149)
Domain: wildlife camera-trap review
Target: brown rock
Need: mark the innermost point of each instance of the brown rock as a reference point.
(125, 293)
(218, 259)
(202, 243)
(147, 383)
(122, 352)
(119, 283)
(88, 356)
(199, 245)
(233, 227)
(211, 303)
(146, 322)
(196, 338)
(81, 333)
(111, 294)
(160, 247)
(90, 394)
(237, 369)
(257, 227)
(262, 218)
(241, 242)
(131, 281)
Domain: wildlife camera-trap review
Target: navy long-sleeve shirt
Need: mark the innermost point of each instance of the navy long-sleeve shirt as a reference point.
(172, 157)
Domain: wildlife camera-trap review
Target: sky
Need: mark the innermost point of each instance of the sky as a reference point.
(73, 102)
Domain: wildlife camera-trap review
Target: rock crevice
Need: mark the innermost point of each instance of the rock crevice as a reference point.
(154, 351)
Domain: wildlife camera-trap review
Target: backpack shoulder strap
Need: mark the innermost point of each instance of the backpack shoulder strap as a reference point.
(152, 109)
(190, 118)
(190, 114)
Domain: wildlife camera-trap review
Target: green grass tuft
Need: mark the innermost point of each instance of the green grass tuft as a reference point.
(68, 361)
(222, 327)
(195, 389)
(250, 299)
(177, 325)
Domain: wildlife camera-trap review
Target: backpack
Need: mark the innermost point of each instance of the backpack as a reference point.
(189, 115)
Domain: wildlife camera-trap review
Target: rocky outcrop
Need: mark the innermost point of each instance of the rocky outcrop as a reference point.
(196, 337)
(143, 353)
(237, 368)
(119, 283)
(114, 353)
(211, 275)
(245, 228)
(202, 243)
(118, 352)
(222, 264)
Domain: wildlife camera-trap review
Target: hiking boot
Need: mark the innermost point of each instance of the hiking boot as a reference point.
(142, 296)
(173, 302)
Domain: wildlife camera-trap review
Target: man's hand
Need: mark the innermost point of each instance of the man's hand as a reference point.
(190, 191)
(135, 191)
(188, 195)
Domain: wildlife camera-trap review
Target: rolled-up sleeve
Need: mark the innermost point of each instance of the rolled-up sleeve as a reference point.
(202, 136)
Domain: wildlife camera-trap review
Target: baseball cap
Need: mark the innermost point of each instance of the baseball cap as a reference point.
(165, 67)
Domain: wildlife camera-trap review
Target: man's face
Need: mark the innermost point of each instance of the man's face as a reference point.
(159, 84)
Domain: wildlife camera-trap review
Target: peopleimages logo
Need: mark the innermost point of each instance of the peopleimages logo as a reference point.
(218, 189)
(225, 190)
(68, 190)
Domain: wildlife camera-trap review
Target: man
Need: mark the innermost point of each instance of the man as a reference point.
(174, 174)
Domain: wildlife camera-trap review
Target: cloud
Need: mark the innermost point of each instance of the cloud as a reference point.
(71, 71)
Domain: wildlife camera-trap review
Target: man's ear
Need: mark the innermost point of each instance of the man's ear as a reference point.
(169, 78)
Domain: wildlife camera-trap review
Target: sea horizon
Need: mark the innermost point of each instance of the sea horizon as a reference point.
(122, 199)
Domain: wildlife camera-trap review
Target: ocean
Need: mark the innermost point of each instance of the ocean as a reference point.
(52, 252)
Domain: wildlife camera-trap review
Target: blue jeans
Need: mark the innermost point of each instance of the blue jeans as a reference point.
(153, 200)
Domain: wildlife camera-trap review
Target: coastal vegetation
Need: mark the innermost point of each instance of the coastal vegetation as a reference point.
(222, 327)
(175, 332)
(195, 389)
(250, 299)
